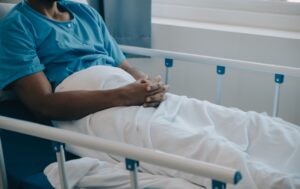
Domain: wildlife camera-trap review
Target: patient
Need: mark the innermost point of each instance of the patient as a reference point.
(45, 41)
(62, 63)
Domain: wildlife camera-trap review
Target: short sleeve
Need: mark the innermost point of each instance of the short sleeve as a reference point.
(18, 55)
(110, 43)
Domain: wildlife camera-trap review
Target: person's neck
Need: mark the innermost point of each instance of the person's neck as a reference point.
(48, 8)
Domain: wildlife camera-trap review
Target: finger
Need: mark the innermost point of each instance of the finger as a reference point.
(158, 78)
(161, 89)
(153, 86)
(153, 104)
(166, 87)
(146, 77)
(144, 81)
(155, 98)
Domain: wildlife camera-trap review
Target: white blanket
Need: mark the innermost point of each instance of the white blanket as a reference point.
(266, 150)
(92, 173)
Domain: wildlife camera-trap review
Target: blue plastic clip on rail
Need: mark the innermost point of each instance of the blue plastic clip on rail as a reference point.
(168, 62)
(131, 164)
(279, 78)
(221, 70)
(218, 184)
(56, 146)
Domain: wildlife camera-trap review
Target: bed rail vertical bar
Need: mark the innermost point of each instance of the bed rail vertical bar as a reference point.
(60, 156)
(131, 166)
(168, 64)
(220, 73)
(218, 184)
(279, 79)
(3, 178)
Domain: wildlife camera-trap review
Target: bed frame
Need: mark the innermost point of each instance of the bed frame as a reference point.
(220, 175)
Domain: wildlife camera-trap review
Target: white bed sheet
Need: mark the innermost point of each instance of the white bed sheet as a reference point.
(92, 173)
(266, 150)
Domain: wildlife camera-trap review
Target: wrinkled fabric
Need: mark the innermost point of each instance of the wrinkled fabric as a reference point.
(92, 173)
(265, 150)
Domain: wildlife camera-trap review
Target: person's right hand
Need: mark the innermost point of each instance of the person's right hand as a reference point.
(146, 92)
(157, 94)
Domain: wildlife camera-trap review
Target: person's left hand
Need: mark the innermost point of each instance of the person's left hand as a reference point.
(158, 90)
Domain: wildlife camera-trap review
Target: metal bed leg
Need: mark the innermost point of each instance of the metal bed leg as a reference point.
(220, 72)
(218, 184)
(131, 165)
(279, 79)
(3, 178)
(60, 156)
(168, 64)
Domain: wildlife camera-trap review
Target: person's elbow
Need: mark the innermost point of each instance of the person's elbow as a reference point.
(45, 110)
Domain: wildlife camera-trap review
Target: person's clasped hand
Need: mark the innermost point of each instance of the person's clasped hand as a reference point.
(146, 92)
(156, 91)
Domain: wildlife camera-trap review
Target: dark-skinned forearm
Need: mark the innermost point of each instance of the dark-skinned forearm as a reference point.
(133, 71)
(77, 104)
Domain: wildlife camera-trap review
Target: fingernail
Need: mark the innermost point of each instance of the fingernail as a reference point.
(148, 99)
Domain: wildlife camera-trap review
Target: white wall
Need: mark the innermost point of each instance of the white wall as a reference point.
(245, 90)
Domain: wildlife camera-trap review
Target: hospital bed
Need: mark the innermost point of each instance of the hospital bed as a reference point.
(41, 154)
(28, 146)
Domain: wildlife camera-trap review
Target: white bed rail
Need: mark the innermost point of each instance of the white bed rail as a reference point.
(221, 64)
(216, 172)
(232, 63)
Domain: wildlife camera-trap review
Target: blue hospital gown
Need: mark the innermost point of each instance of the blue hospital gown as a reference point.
(31, 42)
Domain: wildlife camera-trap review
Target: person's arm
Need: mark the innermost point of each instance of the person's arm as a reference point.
(132, 71)
(115, 52)
(36, 93)
(155, 99)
